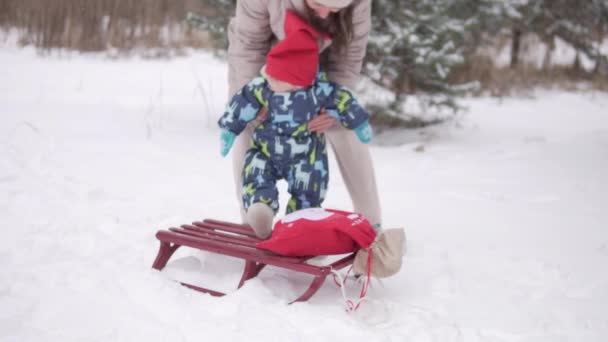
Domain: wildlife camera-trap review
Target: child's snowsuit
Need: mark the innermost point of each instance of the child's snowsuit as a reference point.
(282, 147)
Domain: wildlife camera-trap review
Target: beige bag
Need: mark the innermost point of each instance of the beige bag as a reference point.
(387, 254)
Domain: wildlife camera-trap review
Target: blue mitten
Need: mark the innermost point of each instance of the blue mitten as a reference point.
(226, 139)
(364, 132)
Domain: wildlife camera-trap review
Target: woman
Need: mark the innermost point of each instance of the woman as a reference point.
(251, 33)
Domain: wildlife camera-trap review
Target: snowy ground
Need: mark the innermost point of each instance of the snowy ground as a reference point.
(505, 212)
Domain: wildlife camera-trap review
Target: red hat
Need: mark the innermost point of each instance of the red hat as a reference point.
(295, 59)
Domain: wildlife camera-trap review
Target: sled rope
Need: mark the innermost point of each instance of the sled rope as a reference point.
(341, 282)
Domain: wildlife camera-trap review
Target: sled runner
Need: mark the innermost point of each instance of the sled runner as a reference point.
(239, 241)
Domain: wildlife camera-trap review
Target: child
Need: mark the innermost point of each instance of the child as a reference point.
(282, 147)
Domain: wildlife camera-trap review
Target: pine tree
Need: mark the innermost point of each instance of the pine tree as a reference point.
(215, 20)
(414, 46)
(485, 19)
(600, 22)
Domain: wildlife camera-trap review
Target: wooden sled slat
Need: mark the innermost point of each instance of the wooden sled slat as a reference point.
(238, 241)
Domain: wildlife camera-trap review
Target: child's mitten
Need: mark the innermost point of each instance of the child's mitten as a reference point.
(364, 132)
(226, 139)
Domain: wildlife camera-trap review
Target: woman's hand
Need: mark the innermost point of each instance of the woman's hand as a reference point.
(262, 116)
(321, 123)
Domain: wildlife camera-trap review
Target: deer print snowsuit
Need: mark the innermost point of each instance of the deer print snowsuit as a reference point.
(282, 147)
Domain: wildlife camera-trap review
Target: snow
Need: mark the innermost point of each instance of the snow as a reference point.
(504, 211)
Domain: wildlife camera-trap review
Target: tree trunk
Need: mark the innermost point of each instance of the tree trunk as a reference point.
(576, 65)
(548, 53)
(600, 67)
(515, 47)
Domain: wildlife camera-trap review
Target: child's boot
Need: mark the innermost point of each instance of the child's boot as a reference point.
(259, 217)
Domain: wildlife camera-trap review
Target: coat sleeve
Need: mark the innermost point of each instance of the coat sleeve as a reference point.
(249, 39)
(243, 107)
(341, 103)
(345, 68)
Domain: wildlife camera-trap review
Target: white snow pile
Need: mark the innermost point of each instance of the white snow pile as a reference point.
(505, 211)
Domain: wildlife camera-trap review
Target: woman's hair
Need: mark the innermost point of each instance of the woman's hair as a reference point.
(339, 25)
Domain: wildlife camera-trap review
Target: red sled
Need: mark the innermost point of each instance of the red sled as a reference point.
(239, 241)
